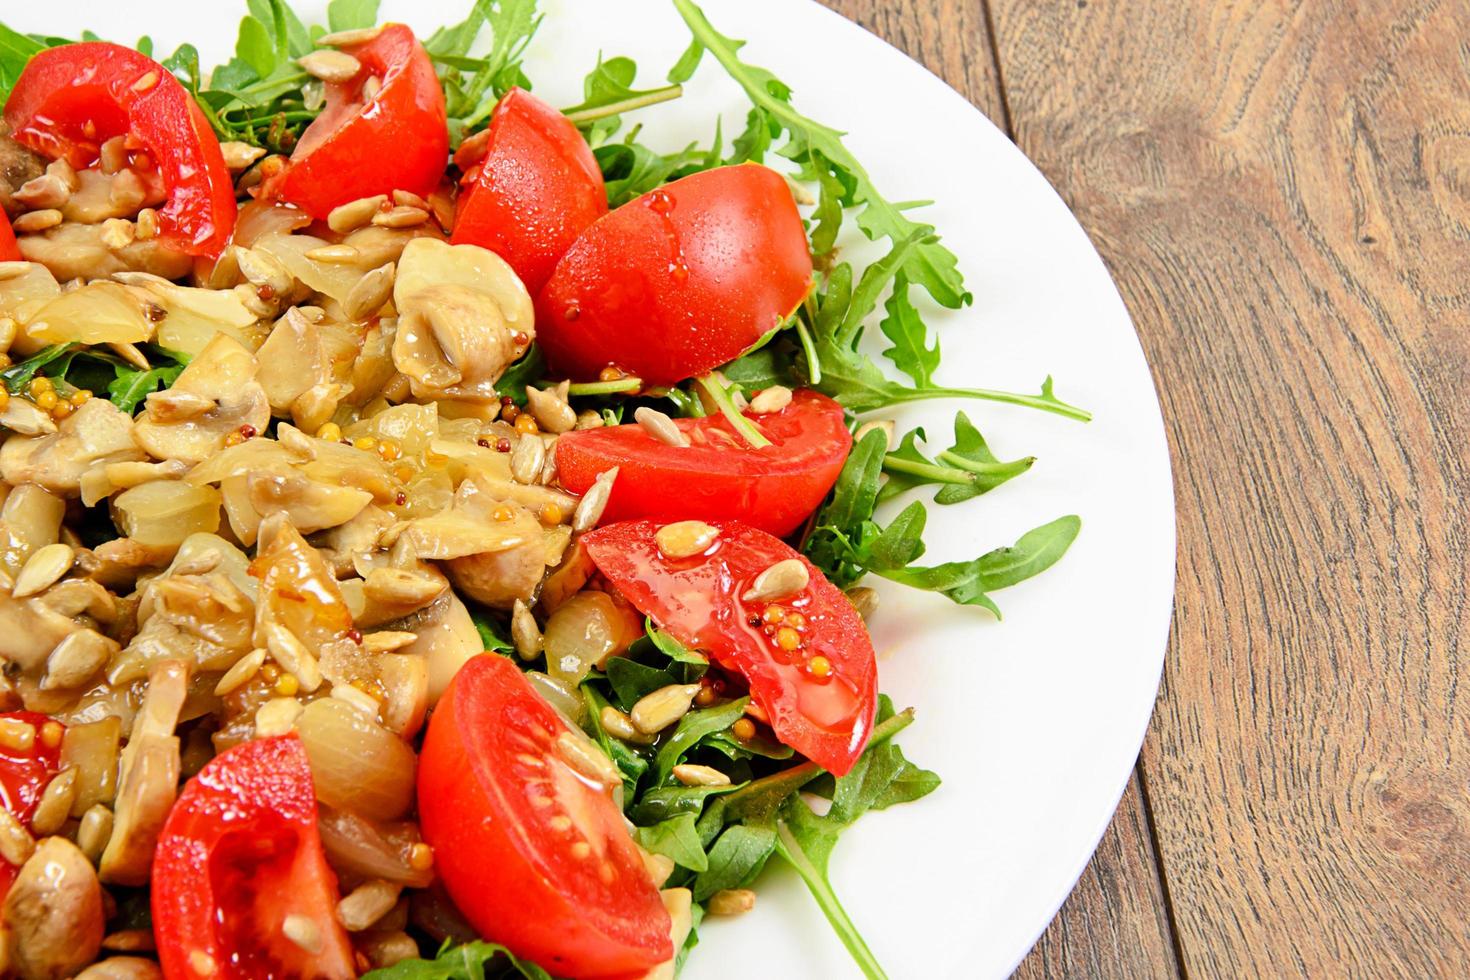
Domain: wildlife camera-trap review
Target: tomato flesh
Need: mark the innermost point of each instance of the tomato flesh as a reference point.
(537, 188)
(9, 250)
(71, 99)
(679, 281)
(535, 856)
(366, 143)
(822, 710)
(24, 774)
(240, 852)
(718, 475)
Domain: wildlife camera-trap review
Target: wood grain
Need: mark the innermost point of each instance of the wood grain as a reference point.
(1114, 924)
(1282, 190)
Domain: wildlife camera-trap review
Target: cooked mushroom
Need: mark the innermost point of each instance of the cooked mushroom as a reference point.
(223, 373)
(463, 318)
(54, 913)
(203, 620)
(122, 968)
(18, 164)
(97, 433)
(73, 251)
(149, 778)
(447, 638)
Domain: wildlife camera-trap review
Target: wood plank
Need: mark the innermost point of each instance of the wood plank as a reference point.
(1114, 923)
(1282, 191)
(949, 37)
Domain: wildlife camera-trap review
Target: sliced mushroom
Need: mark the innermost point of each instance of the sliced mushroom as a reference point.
(293, 360)
(204, 620)
(149, 778)
(345, 544)
(78, 251)
(96, 433)
(463, 318)
(99, 196)
(30, 519)
(18, 165)
(224, 373)
(54, 913)
(447, 639)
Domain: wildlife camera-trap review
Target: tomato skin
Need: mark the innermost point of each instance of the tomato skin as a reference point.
(23, 777)
(679, 281)
(511, 874)
(698, 601)
(536, 190)
(399, 140)
(9, 251)
(63, 89)
(719, 475)
(240, 852)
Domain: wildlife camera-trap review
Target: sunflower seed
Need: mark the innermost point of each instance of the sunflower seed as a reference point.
(76, 658)
(550, 409)
(370, 293)
(685, 538)
(589, 509)
(94, 831)
(241, 673)
(359, 699)
(303, 932)
(591, 762)
(367, 903)
(112, 155)
(293, 656)
(360, 35)
(333, 253)
(354, 214)
(43, 570)
(400, 217)
(386, 641)
(16, 843)
(886, 426)
(277, 717)
(524, 632)
(55, 805)
(34, 221)
(147, 224)
(731, 901)
(660, 426)
(67, 173)
(771, 400)
(527, 459)
(780, 581)
(145, 81)
(239, 155)
(45, 191)
(620, 726)
(691, 775)
(118, 233)
(657, 711)
(864, 600)
(590, 420)
(330, 66)
(409, 199)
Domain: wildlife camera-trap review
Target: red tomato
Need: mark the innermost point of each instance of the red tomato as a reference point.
(718, 475)
(681, 280)
(239, 854)
(537, 188)
(9, 251)
(821, 696)
(534, 856)
(24, 774)
(366, 143)
(70, 100)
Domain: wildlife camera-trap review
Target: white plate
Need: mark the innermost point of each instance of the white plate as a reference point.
(1034, 723)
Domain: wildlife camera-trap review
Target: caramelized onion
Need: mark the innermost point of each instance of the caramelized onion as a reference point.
(357, 764)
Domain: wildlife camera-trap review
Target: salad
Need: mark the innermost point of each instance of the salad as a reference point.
(431, 520)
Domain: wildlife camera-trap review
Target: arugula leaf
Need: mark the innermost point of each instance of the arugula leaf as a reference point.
(672, 648)
(132, 385)
(819, 149)
(911, 352)
(675, 838)
(528, 369)
(471, 961)
(472, 86)
(964, 471)
(490, 630)
(15, 50)
(663, 802)
(879, 779)
(17, 376)
(608, 92)
(631, 680)
(692, 728)
(346, 15)
(737, 857)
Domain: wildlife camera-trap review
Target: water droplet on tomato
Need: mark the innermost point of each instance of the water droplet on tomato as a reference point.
(661, 202)
(679, 270)
(572, 312)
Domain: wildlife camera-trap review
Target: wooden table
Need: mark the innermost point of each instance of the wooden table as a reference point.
(1282, 191)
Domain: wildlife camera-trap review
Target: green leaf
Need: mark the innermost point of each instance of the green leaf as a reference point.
(527, 370)
(492, 632)
(673, 649)
(132, 385)
(17, 376)
(692, 728)
(820, 147)
(15, 50)
(346, 15)
(737, 857)
(471, 961)
(965, 470)
(970, 582)
(631, 680)
(911, 352)
(256, 47)
(607, 92)
(663, 802)
(675, 838)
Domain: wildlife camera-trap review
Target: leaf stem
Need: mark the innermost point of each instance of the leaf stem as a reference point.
(1041, 402)
(741, 424)
(938, 474)
(605, 387)
(640, 101)
(816, 882)
(984, 469)
(813, 362)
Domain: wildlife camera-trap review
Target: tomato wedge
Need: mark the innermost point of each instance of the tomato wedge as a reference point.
(382, 130)
(820, 696)
(71, 99)
(240, 854)
(679, 281)
(536, 856)
(24, 774)
(719, 475)
(9, 251)
(537, 188)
